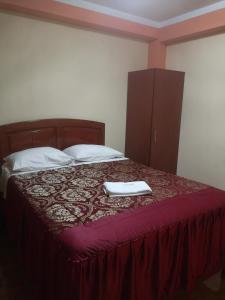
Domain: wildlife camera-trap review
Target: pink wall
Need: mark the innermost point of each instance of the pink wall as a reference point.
(79, 16)
(196, 27)
(157, 55)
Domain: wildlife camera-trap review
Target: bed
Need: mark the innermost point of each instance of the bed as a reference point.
(77, 243)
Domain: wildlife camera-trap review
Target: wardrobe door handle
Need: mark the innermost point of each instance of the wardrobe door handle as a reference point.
(155, 136)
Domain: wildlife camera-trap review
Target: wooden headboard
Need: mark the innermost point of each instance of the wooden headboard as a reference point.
(58, 133)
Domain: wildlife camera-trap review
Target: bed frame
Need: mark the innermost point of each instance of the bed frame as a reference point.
(141, 266)
(58, 133)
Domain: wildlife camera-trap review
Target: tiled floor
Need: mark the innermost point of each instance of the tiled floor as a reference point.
(13, 285)
(203, 293)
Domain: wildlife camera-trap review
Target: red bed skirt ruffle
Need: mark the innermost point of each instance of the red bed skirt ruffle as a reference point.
(140, 254)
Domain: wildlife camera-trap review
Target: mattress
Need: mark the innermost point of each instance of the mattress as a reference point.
(88, 246)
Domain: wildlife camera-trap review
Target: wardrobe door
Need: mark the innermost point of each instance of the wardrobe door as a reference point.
(139, 114)
(168, 93)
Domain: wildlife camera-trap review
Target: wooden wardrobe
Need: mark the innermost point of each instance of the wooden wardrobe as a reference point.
(154, 104)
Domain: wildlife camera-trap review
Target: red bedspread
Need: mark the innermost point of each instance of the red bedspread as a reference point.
(79, 244)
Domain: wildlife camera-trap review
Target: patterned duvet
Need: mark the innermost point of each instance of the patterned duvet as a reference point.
(71, 196)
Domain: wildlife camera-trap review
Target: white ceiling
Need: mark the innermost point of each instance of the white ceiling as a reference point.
(156, 10)
(157, 13)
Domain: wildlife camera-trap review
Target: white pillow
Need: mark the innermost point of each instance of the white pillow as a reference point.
(88, 152)
(37, 159)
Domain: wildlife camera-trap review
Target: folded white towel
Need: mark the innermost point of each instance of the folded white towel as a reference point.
(121, 189)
